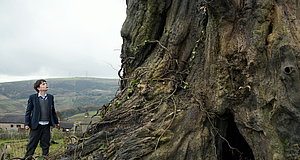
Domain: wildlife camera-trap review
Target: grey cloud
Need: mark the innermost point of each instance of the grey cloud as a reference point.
(60, 37)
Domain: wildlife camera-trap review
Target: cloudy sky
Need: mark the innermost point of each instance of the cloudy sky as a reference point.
(60, 38)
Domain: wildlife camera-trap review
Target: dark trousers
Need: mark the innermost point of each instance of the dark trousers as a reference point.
(40, 134)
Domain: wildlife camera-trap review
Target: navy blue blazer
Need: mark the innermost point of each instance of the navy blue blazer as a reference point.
(33, 111)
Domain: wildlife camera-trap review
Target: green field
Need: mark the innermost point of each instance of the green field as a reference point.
(91, 113)
(16, 148)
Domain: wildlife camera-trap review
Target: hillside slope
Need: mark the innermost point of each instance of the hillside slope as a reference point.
(70, 93)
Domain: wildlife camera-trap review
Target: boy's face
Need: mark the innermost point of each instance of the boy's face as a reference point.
(43, 86)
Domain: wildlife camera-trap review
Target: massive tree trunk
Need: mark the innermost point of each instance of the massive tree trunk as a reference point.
(204, 79)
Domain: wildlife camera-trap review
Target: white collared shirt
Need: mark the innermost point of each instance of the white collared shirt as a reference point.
(43, 122)
(43, 97)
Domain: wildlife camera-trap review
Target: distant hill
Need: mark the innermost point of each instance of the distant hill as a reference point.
(72, 95)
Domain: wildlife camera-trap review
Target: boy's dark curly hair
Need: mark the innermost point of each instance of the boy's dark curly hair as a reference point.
(38, 83)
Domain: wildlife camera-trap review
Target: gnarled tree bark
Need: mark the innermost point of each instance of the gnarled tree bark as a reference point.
(204, 79)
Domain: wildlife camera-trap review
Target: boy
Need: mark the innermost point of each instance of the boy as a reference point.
(40, 115)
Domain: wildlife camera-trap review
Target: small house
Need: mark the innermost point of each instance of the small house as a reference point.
(11, 122)
(66, 126)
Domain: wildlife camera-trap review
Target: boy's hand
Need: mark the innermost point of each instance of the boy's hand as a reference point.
(27, 127)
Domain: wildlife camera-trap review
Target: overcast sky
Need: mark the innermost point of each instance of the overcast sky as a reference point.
(60, 38)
